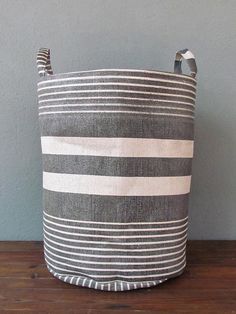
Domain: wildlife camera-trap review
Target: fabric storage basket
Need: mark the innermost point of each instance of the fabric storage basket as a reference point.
(117, 149)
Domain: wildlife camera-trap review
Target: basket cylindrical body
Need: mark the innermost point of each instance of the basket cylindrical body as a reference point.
(117, 150)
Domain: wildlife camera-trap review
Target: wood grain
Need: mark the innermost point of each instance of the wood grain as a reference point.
(207, 286)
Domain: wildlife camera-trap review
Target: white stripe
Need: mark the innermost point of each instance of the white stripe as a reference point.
(116, 111)
(117, 186)
(117, 147)
(114, 269)
(65, 279)
(118, 223)
(77, 281)
(90, 283)
(115, 105)
(119, 250)
(125, 91)
(115, 97)
(116, 84)
(164, 235)
(83, 283)
(188, 55)
(114, 243)
(119, 256)
(122, 70)
(115, 230)
(71, 279)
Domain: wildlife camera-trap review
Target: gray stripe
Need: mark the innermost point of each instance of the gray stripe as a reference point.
(115, 125)
(115, 209)
(117, 166)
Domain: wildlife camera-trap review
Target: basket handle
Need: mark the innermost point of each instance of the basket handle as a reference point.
(189, 57)
(44, 62)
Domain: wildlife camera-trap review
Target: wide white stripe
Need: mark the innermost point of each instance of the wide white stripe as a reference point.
(125, 91)
(117, 237)
(114, 230)
(117, 186)
(115, 105)
(114, 243)
(117, 276)
(116, 84)
(117, 223)
(125, 70)
(115, 97)
(114, 256)
(112, 269)
(117, 147)
(117, 111)
(102, 249)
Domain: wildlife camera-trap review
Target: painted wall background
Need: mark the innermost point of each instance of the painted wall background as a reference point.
(89, 34)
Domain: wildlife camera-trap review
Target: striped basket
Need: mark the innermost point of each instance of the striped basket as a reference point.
(117, 150)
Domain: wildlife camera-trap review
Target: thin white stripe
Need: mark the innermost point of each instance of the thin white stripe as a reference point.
(123, 70)
(96, 284)
(115, 230)
(109, 287)
(118, 223)
(110, 281)
(117, 147)
(117, 186)
(65, 279)
(115, 288)
(164, 235)
(90, 283)
(115, 269)
(77, 281)
(121, 286)
(119, 250)
(116, 84)
(116, 111)
(114, 243)
(72, 278)
(116, 105)
(120, 256)
(115, 97)
(125, 91)
(118, 77)
(83, 283)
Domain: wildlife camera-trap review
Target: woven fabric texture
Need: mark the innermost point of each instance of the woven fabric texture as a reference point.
(117, 148)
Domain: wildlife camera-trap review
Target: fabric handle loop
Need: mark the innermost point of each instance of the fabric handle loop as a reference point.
(44, 62)
(189, 57)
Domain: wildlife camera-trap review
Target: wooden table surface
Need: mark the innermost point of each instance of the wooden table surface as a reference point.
(207, 286)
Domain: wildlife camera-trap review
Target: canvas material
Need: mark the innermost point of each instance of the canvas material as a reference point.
(117, 148)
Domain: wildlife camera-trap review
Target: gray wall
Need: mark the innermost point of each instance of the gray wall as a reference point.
(124, 34)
